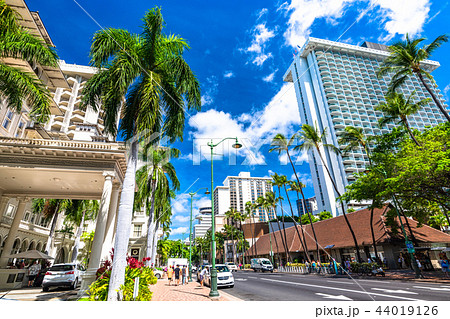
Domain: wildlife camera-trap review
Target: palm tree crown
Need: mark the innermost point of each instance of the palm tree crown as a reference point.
(16, 84)
(406, 59)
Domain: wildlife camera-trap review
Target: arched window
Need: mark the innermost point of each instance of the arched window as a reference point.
(32, 245)
(61, 256)
(24, 246)
(39, 246)
(16, 247)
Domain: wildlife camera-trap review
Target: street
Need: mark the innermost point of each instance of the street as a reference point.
(295, 287)
(36, 294)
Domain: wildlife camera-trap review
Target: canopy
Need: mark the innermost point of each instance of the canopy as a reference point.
(31, 254)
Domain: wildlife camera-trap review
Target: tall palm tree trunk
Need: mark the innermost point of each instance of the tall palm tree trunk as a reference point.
(49, 243)
(123, 227)
(342, 206)
(373, 234)
(285, 244)
(439, 105)
(255, 252)
(276, 241)
(155, 244)
(150, 227)
(76, 244)
(408, 128)
(293, 219)
(303, 233)
(304, 201)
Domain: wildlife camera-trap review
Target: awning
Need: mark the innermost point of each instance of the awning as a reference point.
(328, 246)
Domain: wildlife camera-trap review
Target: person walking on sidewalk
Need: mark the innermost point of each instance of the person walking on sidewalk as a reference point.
(202, 275)
(177, 275)
(170, 274)
(33, 271)
(183, 275)
(444, 265)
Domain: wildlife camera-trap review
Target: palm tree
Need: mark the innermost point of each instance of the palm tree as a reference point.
(281, 144)
(16, 84)
(313, 139)
(405, 60)
(262, 202)
(279, 181)
(297, 188)
(50, 209)
(231, 215)
(150, 71)
(353, 138)
(250, 212)
(77, 212)
(154, 180)
(396, 107)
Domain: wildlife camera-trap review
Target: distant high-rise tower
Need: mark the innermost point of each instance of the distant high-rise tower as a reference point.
(309, 205)
(336, 86)
(238, 190)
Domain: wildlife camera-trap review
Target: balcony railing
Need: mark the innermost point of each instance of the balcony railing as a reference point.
(60, 143)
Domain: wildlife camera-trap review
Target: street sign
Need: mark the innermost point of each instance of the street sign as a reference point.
(410, 247)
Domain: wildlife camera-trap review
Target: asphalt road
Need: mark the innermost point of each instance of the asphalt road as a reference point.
(36, 294)
(296, 287)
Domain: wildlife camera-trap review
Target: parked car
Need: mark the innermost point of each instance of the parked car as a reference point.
(231, 266)
(224, 276)
(63, 275)
(261, 264)
(158, 273)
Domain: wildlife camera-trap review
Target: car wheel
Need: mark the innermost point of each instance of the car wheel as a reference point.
(231, 286)
(158, 276)
(45, 289)
(254, 270)
(271, 271)
(75, 284)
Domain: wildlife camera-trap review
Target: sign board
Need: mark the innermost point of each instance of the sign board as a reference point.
(135, 253)
(410, 247)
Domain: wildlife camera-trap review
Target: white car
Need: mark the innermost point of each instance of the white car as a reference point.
(231, 266)
(158, 273)
(224, 276)
(63, 275)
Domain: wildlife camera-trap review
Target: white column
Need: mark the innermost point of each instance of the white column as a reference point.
(3, 202)
(97, 243)
(22, 202)
(111, 222)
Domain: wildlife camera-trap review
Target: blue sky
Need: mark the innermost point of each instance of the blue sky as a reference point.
(239, 52)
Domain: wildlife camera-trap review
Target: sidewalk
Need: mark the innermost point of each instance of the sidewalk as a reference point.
(190, 292)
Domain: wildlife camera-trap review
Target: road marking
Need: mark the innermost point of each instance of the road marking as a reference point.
(342, 289)
(252, 277)
(240, 279)
(341, 282)
(389, 291)
(340, 297)
(432, 288)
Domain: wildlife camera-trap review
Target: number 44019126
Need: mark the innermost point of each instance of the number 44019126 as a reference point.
(407, 310)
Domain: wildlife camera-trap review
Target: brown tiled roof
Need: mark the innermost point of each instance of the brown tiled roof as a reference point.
(335, 232)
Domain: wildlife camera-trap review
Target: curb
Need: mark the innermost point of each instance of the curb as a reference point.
(229, 297)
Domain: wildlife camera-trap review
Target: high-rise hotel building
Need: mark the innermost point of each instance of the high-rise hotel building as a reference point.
(336, 86)
(238, 190)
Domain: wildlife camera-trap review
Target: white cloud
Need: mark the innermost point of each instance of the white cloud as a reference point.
(262, 12)
(445, 92)
(228, 74)
(210, 90)
(305, 12)
(395, 16)
(179, 230)
(261, 35)
(270, 77)
(181, 219)
(253, 129)
(305, 179)
(403, 16)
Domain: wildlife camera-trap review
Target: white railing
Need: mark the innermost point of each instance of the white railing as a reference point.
(62, 144)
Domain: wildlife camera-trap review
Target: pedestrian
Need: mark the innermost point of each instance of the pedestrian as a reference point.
(369, 261)
(183, 275)
(202, 275)
(399, 262)
(313, 265)
(177, 275)
(385, 261)
(170, 274)
(307, 265)
(444, 265)
(33, 271)
(348, 266)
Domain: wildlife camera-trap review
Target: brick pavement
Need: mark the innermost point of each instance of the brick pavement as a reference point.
(190, 292)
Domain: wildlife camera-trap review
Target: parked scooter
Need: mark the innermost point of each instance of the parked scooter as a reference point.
(377, 271)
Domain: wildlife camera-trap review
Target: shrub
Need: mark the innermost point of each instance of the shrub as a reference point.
(98, 290)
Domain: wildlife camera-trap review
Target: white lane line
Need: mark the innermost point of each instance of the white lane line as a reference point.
(432, 288)
(252, 277)
(390, 291)
(341, 282)
(340, 297)
(342, 289)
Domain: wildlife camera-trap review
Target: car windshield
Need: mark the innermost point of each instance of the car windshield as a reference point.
(61, 268)
(222, 269)
(266, 262)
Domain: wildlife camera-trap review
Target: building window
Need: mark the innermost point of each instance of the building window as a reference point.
(8, 119)
(137, 231)
(20, 129)
(26, 216)
(10, 210)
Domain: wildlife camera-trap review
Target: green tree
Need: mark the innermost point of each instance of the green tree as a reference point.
(267, 202)
(250, 212)
(16, 84)
(309, 219)
(353, 138)
(396, 107)
(313, 139)
(406, 59)
(150, 71)
(325, 215)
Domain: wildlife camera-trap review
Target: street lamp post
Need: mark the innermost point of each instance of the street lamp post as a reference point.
(213, 292)
(190, 232)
